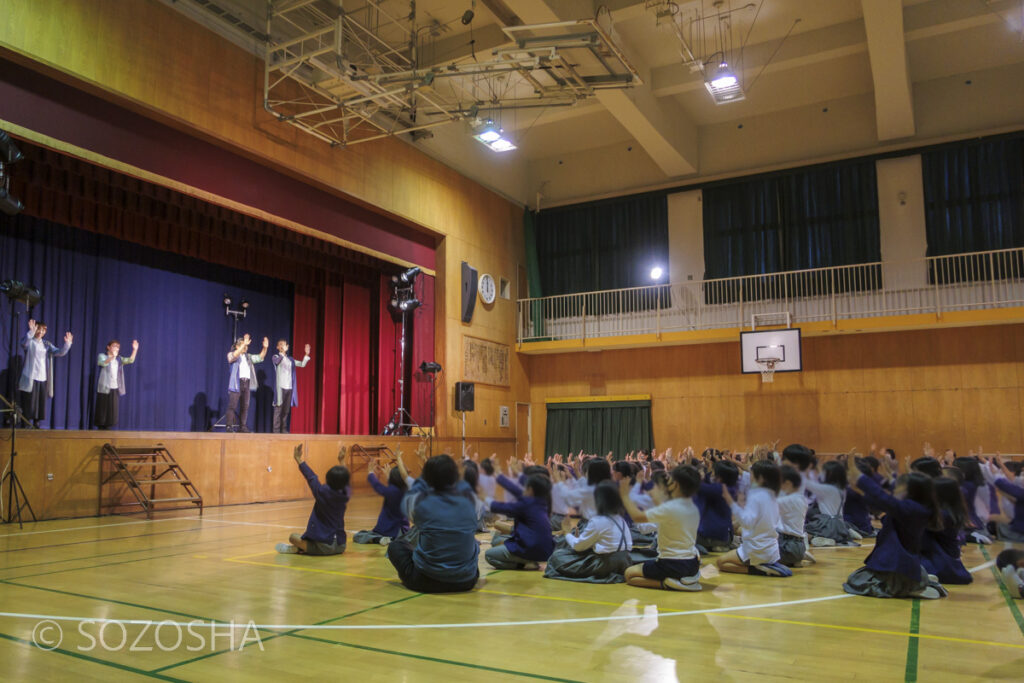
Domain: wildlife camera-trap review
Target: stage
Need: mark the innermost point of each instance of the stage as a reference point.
(60, 469)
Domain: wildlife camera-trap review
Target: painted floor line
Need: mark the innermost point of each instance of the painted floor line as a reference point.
(398, 627)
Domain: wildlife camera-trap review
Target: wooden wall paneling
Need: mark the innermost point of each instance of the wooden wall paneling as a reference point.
(74, 489)
(842, 423)
(986, 357)
(889, 421)
(984, 423)
(939, 417)
(795, 413)
(245, 466)
(675, 415)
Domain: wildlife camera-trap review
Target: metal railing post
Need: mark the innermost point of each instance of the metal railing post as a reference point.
(935, 278)
(992, 277)
(583, 337)
(832, 295)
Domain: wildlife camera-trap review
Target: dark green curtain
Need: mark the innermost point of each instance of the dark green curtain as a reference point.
(814, 217)
(974, 201)
(610, 244)
(599, 427)
(535, 312)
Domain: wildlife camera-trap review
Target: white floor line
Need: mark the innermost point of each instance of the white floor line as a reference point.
(471, 625)
(231, 521)
(19, 534)
(395, 627)
(981, 566)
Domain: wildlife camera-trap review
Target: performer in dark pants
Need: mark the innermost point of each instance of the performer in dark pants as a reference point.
(36, 383)
(242, 381)
(285, 391)
(110, 383)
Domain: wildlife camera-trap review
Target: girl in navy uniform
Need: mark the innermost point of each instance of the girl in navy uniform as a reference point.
(940, 550)
(531, 541)
(391, 523)
(893, 569)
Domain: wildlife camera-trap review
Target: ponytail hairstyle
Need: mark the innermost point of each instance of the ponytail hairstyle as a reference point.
(921, 490)
(835, 474)
(768, 474)
(951, 499)
(396, 479)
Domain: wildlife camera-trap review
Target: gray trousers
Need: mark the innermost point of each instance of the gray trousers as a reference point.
(500, 558)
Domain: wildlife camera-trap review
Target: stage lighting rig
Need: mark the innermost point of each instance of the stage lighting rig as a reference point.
(9, 154)
(19, 291)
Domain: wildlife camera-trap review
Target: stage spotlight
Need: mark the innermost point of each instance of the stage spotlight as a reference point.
(656, 273)
(245, 305)
(19, 291)
(409, 275)
(430, 367)
(467, 17)
(8, 204)
(9, 152)
(227, 300)
(409, 305)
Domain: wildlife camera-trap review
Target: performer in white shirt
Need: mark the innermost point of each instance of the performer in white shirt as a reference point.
(110, 382)
(36, 384)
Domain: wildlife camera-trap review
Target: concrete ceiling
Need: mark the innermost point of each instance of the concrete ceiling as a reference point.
(823, 79)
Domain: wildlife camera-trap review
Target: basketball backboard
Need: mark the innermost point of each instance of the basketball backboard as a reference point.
(782, 346)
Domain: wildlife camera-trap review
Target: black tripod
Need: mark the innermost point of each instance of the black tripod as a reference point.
(222, 421)
(401, 422)
(16, 498)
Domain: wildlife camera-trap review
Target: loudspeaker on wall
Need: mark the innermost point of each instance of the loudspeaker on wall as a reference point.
(464, 396)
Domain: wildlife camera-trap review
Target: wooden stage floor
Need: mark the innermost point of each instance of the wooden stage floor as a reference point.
(347, 618)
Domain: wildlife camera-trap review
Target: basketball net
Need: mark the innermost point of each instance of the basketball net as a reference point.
(767, 370)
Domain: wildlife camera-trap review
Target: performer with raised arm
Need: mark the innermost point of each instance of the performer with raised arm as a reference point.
(36, 384)
(285, 394)
(110, 382)
(242, 381)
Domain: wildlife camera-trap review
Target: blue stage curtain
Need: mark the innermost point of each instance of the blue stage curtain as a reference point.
(101, 288)
(742, 229)
(974, 196)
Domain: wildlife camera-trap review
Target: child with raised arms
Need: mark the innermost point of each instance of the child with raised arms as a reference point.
(325, 531)
(531, 541)
(759, 517)
(677, 566)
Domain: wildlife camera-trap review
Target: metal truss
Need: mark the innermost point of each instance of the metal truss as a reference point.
(351, 72)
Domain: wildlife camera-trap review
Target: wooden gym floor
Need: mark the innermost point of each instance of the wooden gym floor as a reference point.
(347, 618)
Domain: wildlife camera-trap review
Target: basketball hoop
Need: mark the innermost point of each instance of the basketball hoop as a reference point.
(767, 369)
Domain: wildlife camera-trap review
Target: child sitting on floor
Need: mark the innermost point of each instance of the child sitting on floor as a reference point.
(325, 531)
(759, 517)
(677, 518)
(600, 553)
(792, 511)
(531, 541)
(390, 522)
(1010, 563)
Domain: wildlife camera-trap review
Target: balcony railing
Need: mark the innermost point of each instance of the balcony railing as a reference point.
(959, 282)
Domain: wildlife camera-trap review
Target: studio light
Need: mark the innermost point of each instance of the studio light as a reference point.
(19, 291)
(409, 305)
(430, 367)
(245, 305)
(722, 83)
(409, 275)
(656, 273)
(227, 300)
(467, 17)
(9, 152)
(8, 204)
(492, 136)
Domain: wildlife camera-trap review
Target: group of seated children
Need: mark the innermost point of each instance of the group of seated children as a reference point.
(647, 521)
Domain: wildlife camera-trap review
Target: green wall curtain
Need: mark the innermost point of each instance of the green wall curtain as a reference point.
(599, 427)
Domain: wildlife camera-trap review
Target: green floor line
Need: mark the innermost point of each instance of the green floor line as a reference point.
(94, 660)
(438, 660)
(286, 633)
(913, 641)
(102, 599)
(192, 549)
(1014, 610)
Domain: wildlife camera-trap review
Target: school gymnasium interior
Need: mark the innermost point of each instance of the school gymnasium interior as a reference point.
(502, 227)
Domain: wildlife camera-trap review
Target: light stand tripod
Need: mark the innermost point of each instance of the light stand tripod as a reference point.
(222, 421)
(16, 498)
(404, 302)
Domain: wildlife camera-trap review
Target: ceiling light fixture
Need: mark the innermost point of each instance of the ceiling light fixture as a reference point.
(492, 136)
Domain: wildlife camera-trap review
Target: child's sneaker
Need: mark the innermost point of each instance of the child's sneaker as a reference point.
(980, 537)
(286, 548)
(856, 535)
(774, 569)
(808, 558)
(822, 542)
(384, 540)
(531, 566)
(690, 584)
(1013, 581)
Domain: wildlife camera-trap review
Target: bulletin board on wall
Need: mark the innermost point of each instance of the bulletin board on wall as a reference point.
(485, 362)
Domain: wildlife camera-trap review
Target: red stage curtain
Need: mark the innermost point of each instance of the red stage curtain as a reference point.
(330, 375)
(305, 327)
(354, 409)
(388, 354)
(422, 350)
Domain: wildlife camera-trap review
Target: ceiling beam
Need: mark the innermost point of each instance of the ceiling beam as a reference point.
(662, 128)
(887, 50)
